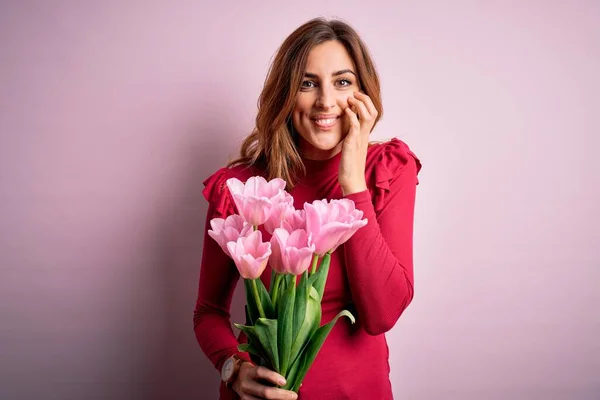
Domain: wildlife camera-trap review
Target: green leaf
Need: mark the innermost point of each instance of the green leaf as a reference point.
(272, 283)
(312, 320)
(319, 278)
(265, 300)
(253, 341)
(300, 305)
(285, 326)
(290, 378)
(315, 344)
(277, 289)
(250, 348)
(263, 336)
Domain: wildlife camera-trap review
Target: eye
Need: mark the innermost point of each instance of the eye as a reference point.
(344, 82)
(308, 85)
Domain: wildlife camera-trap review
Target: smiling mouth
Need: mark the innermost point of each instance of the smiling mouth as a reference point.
(325, 123)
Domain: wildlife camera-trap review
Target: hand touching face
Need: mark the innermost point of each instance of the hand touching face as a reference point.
(361, 115)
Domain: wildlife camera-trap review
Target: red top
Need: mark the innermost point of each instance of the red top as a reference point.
(371, 274)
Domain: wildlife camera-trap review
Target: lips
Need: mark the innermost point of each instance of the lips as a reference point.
(325, 121)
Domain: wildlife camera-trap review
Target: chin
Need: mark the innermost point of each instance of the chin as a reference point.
(323, 142)
(326, 143)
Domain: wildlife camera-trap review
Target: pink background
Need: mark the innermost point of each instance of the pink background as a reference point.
(112, 113)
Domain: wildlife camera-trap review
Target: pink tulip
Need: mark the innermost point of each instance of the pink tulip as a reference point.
(332, 224)
(283, 197)
(284, 215)
(282, 204)
(250, 255)
(275, 260)
(294, 221)
(292, 252)
(228, 230)
(255, 198)
(354, 217)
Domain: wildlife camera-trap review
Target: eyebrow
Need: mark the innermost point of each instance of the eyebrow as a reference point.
(337, 73)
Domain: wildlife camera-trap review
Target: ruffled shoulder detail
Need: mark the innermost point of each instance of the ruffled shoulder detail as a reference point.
(217, 194)
(386, 161)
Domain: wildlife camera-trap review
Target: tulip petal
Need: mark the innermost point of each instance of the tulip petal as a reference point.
(298, 260)
(278, 214)
(254, 186)
(235, 186)
(275, 186)
(298, 239)
(255, 210)
(250, 255)
(313, 219)
(350, 232)
(217, 224)
(329, 236)
(275, 261)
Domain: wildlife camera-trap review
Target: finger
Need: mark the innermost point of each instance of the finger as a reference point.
(268, 375)
(280, 394)
(362, 111)
(246, 396)
(368, 103)
(353, 120)
(251, 388)
(265, 392)
(352, 106)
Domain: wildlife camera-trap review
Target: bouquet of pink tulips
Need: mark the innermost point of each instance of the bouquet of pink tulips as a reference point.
(284, 329)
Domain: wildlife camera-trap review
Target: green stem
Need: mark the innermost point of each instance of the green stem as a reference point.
(276, 289)
(261, 312)
(313, 268)
(254, 227)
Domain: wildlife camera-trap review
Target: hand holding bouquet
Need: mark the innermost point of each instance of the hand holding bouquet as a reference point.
(284, 329)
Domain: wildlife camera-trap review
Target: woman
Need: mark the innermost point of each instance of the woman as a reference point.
(319, 104)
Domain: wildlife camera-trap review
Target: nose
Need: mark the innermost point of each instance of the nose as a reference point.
(326, 98)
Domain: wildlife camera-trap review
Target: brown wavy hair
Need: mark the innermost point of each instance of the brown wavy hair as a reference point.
(272, 145)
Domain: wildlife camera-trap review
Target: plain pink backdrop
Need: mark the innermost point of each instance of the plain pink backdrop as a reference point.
(112, 113)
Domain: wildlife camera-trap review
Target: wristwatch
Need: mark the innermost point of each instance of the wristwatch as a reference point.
(230, 369)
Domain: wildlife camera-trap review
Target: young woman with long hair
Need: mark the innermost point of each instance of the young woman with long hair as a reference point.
(320, 102)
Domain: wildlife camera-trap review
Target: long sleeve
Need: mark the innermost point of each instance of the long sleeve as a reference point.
(218, 279)
(379, 257)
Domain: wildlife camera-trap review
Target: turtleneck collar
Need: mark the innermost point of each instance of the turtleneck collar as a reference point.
(318, 169)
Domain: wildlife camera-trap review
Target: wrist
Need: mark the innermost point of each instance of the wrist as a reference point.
(353, 188)
(230, 369)
(235, 383)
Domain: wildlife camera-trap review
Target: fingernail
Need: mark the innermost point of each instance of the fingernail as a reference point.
(281, 381)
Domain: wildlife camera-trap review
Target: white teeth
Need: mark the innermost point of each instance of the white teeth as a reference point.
(325, 122)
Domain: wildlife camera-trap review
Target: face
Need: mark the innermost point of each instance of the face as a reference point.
(318, 115)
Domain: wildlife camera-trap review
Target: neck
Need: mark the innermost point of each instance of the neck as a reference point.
(311, 153)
